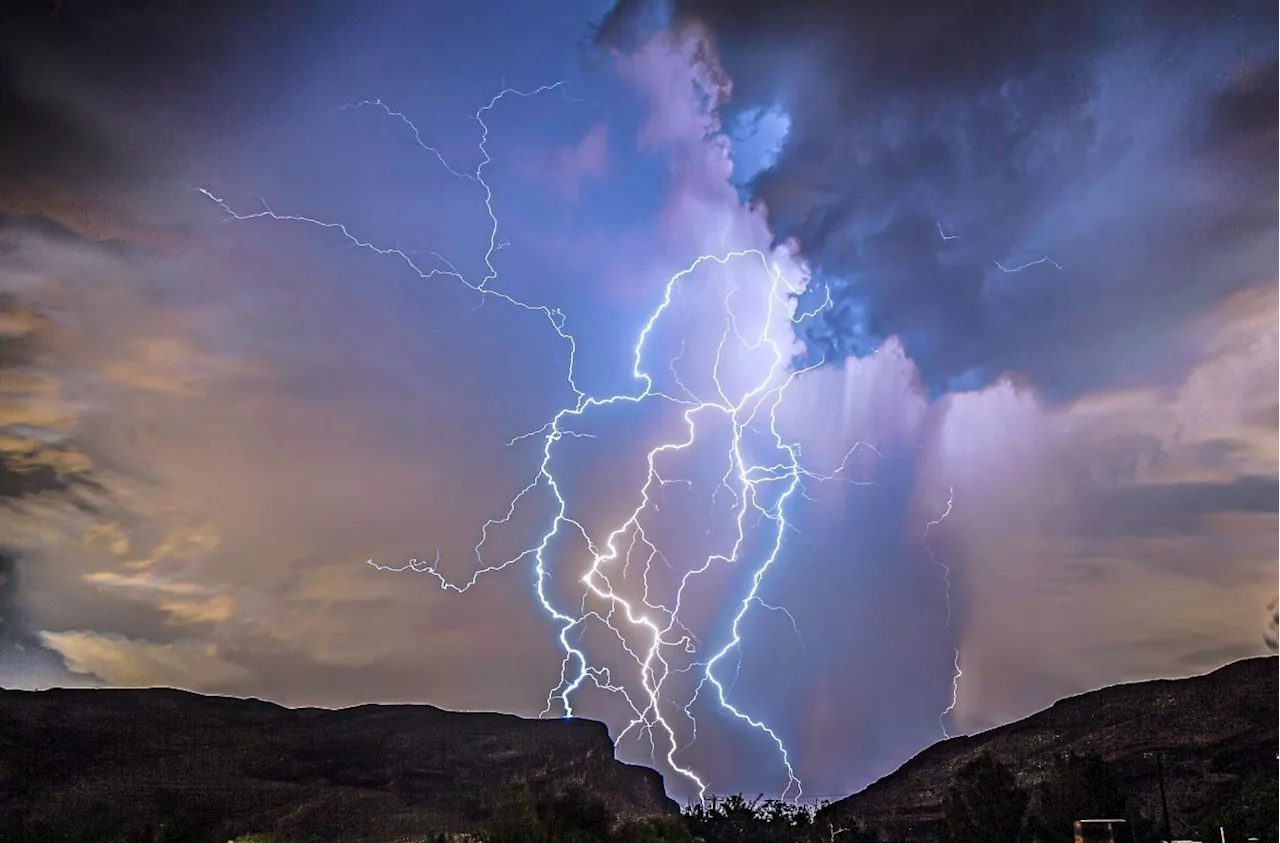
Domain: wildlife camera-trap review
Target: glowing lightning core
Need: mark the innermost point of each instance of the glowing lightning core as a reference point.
(750, 483)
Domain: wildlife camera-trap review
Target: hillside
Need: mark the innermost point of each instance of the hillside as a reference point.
(80, 764)
(1213, 730)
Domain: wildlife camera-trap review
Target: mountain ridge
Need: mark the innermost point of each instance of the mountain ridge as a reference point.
(140, 759)
(1213, 729)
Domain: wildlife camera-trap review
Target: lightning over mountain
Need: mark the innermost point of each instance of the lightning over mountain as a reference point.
(946, 585)
(395, 374)
(764, 476)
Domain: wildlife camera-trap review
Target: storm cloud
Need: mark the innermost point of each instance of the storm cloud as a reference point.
(1050, 190)
(1048, 236)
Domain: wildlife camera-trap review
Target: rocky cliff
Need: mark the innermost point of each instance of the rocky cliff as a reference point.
(1212, 730)
(108, 765)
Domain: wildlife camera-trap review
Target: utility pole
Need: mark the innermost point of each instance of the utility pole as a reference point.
(1164, 801)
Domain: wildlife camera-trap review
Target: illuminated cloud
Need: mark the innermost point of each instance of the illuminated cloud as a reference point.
(48, 143)
(182, 602)
(165, 472)
(569, 169)
(587, 161)
(125, 662)
(1105, 413)
(1131, 533)
(1025, 132)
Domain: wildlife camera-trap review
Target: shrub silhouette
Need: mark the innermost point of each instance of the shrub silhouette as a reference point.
(1080, 786)
(984, 805)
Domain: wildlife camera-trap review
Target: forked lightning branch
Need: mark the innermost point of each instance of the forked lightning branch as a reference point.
(763, 483)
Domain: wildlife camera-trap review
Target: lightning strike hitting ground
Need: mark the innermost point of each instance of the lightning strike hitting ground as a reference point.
(955, 693)
(946, 584)
(946, 570)
(761, 491)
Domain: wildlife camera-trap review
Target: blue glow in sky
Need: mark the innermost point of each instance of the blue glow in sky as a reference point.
(758, 136)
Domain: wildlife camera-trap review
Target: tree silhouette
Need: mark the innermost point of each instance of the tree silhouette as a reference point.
(574, 817)
(514, 819)
(735, 819)
(984, 805)
(1080, 786)
(665, 830)
(1254, 812)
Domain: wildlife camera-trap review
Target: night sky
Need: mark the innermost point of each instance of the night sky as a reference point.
(1006, 286)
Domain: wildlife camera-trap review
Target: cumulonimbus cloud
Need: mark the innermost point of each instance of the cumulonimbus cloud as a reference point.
(1008, 188)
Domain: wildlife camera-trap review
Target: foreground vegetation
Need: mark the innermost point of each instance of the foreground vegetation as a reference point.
(983, 804)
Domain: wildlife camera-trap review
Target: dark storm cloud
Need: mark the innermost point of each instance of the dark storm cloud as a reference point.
(28, 472)
(152, 45)
(23, 656)
(1134, 144)
(47, 475)
(1186, 500)
(36, 463)
(44, 144)
(84, 85)
(81, 81)
(1245, 111)
(17, 483)
(50, 146)
(1176, 508)
(10, 631)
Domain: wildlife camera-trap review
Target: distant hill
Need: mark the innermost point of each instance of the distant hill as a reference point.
(1213, 730)
(106, 765)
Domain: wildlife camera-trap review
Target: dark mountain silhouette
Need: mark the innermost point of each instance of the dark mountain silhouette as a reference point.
(1213, 731)
(162, 765)
(159, 764)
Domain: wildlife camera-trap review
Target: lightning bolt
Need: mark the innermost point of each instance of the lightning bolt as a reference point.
(1272, 635)
(760, 490)
(946, 584)
(946, 571)
(946, 238)
(1029, 264)
(955, 693)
